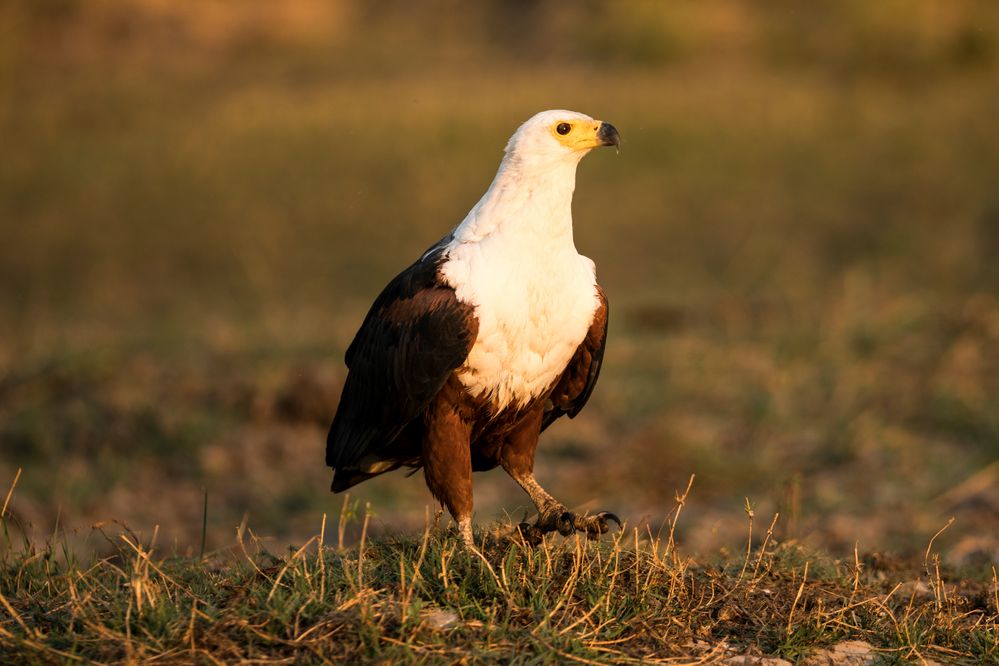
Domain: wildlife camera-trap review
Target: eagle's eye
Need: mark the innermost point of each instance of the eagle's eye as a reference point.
(563, 128)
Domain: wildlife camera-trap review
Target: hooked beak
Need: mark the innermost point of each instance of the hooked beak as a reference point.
(608, 135)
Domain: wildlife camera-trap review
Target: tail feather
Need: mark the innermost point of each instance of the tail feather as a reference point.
(344, 479)
(348, 477)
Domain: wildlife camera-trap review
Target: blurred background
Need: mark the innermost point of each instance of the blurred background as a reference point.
(799, 240)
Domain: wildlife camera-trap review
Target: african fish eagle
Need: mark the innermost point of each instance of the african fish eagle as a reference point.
(496, 331)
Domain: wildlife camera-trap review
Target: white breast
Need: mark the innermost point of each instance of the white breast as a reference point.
(534, 306)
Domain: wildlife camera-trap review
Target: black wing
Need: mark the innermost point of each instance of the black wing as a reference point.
(580, 376)
(415, 335)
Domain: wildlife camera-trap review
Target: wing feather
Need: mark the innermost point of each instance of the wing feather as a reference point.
(415, 335)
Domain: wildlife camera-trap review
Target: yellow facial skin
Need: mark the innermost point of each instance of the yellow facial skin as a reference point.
(584, 135)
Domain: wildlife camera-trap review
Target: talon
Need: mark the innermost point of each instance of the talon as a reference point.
(596, 525)
(565, 524)
(607, 515)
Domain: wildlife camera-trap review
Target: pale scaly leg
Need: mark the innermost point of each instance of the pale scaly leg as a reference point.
(465, 530)
(517, 459)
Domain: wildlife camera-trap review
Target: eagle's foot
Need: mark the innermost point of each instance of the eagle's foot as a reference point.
(595, 525)
(566, 523)
(554, 519)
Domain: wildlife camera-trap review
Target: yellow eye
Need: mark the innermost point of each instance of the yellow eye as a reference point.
(563, 128)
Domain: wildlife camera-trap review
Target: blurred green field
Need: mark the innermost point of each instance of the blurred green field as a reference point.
(198, 201)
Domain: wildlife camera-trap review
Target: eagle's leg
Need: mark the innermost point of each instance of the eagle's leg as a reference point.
(447, 466)
(553, 516)
(517, 458)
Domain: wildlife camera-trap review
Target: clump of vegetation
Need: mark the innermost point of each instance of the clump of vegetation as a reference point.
(634, 597)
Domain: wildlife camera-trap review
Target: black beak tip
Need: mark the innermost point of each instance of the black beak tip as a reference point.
(609, 135)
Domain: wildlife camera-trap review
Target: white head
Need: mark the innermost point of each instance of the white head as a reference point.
(534, 183)
(559, 136)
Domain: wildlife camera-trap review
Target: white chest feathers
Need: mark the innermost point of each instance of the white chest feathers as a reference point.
(534, 309)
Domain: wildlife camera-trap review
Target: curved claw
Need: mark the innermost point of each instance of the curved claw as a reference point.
(596, 525)
(607, 515)
(566, 524)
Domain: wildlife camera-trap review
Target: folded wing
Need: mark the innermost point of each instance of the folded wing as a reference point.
(415, 335)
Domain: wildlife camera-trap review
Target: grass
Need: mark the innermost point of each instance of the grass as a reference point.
(634, 597)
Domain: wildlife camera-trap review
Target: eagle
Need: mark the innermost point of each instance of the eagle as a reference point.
(488, 338)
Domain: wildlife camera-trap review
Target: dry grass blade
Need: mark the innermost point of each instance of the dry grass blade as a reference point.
(748, 508)
(291, 560)
(763, 546)
(929, 546)
(797, 598)
(681, 500)
(995, 596)
(17, 616)
(3, 511)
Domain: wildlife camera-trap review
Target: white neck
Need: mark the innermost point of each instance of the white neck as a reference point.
(513, 259)
(527, 197)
